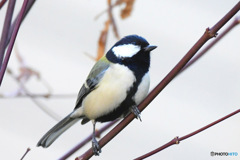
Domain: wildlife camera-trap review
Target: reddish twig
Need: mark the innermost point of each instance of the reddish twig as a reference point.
(177, 140)
(40, 105)
(11, 43)
(209, 33)
(193, 60)
(5, 31)
(29, 6)
(112, 6)
(88, 139)
(26, 72)
(2, 3)
(28, 149)
(219, 37)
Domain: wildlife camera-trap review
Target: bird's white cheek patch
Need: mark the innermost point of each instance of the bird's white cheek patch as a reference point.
(126, 50)
(111, 91)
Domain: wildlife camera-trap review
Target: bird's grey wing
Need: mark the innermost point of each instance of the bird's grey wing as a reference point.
(92, 80)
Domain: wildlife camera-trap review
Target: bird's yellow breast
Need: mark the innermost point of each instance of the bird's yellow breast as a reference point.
(110, 92)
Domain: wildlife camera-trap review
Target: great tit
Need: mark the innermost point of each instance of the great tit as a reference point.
(117, 83)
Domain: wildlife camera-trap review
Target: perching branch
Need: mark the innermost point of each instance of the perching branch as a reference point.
(209, 33)
(210, 45)
(12, 40)
(192, 61)
(177, 140)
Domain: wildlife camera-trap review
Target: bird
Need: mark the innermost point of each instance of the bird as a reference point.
(116, 84)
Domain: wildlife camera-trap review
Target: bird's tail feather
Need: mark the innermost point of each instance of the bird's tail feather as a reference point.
(56, 131)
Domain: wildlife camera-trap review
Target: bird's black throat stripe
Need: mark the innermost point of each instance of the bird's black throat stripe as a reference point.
(139, 68)
(123, 108)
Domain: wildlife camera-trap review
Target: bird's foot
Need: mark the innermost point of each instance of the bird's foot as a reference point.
(95, 147)
(136, 112)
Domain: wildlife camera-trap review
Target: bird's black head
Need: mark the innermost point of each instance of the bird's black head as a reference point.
(132, 51)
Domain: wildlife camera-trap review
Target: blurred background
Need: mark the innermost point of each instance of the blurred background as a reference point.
(57, 39)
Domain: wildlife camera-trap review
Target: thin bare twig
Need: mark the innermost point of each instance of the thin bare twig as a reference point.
(40, 105)
(209, 33)
(29, 6)
(11, 43)
(104, 11)
(177, 140)
(87, 139)
(6, 27)
(45, 109)
(124, 13)
(2, 3)
(210, 45)
(28, 149)
(110, 15)
(27, 72)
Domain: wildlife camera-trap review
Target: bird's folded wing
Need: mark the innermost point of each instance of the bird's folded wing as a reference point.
(93, 79)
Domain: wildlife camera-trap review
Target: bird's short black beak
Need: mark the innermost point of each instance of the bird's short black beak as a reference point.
(149, 48)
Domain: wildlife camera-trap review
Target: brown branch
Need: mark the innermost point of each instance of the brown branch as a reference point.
(29, 6)
(112, 6)
(86, 140)
(28, 149)
(8, 30)
(210, 45)
(110, 15)
(6, 27)
(2, 3)
(177, 140)
(12, 40)
(209, 33)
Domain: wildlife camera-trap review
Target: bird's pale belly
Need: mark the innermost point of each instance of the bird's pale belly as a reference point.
(111, 91)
